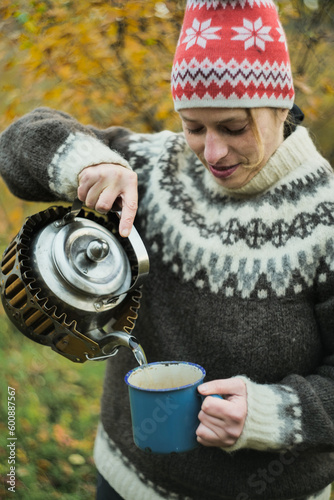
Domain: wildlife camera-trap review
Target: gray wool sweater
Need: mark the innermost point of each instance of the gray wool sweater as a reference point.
(241, 282)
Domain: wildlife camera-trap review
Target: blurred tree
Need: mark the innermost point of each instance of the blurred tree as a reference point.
(104, 62)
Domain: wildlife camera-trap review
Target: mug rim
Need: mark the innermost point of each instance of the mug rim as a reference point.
(126, 378)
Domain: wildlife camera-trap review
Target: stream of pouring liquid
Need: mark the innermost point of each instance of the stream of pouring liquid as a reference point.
(138, 353)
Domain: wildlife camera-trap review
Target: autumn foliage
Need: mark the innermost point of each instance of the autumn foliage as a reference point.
(105, 62)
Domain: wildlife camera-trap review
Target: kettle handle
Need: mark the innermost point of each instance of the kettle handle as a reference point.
(142, 258)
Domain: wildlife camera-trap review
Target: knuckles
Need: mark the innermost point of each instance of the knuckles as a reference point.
(132, 205)
(206, 405)
(107, 172)
(233, 413)
(102, 206)
(229, 442)
(233, 433)
(128, 220)
(133, 177)
(239, 414)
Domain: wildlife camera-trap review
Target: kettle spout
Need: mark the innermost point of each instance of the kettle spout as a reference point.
(113, 341)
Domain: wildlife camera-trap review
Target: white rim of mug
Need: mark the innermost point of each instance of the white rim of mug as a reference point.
(126, 378)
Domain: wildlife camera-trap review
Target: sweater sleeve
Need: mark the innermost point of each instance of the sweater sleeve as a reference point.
(42, 153)
(298, 412)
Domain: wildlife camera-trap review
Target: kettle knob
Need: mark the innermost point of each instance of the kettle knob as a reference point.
(97, 250)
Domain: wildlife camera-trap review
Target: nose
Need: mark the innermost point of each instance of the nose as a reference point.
(215, 147)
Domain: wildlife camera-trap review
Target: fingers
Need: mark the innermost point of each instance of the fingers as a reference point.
(214, 431)
(230, 386)
(222, 420)
(210, 427)
(215, 436)
(129, 210)
(219, 427)
(99, 187)
(230, 412)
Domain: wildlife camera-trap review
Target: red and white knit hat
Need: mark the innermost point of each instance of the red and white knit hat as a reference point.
(232, 53)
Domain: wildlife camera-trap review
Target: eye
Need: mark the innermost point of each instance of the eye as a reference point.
(195, 130)
(238, 131)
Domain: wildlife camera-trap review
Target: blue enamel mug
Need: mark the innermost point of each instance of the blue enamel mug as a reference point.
(165, 405)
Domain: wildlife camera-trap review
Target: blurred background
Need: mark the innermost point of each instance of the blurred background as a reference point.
(106, 63)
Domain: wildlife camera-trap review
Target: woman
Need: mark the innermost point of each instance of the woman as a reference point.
(236, 212)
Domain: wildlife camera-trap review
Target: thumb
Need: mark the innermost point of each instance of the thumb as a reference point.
(226, 386)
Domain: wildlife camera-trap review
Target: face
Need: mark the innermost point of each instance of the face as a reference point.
(224, 140)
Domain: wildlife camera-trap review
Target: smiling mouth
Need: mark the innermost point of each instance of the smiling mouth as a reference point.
(222, 172)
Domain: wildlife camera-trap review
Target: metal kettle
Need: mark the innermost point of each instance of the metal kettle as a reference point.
(69, 281)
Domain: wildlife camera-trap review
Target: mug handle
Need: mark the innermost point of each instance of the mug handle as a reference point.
(210, 395)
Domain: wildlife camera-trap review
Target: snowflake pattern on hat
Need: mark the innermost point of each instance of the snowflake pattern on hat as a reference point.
(253, 34)
(199, 33)
(282, 37)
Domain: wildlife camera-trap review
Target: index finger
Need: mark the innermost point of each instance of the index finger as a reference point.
(128, 214)
(129, 203)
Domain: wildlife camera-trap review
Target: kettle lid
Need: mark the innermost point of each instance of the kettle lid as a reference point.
(89, 258)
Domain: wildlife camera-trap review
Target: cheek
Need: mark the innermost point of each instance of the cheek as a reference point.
(194, 142)
(272, 136)
(248, 148)
(269, 146)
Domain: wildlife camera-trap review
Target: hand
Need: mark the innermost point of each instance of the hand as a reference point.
(100, 185)
(222, 420)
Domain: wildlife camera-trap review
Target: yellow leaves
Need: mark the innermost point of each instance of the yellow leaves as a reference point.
(64, 71)
(328, 86)
(76, 459)
(62, 436)
(302, 86)
(43, 464)
(31, 27)
(287, 10)
(164, 112)
(35, 58)
(10, 216)
(66, 468)
(312, 107)
(43, 435)
(58, 13)
(110, 30)
(26, 426)
(93, 57)
(55, 94)
(21, 456)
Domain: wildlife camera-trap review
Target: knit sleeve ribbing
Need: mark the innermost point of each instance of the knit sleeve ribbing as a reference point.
(273, 418)
(42, 153)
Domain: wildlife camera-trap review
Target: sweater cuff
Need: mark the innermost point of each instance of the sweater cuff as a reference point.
(273, 419)
(76, 153)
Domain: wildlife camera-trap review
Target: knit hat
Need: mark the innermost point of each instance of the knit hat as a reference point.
(232, 53)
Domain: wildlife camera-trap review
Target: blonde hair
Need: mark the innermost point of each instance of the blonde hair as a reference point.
(258, 138)
(257, 134)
